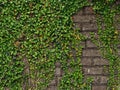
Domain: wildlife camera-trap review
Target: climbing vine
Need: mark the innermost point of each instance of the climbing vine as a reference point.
(35, 34)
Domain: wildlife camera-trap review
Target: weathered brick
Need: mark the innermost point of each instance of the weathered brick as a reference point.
(92, 70)
(79, 12)
(57, 64)
(83, 44)
(119, 51)
(58, 80)
(84, 18)
(99, 87)
(78, 26)
(88, 10)
(91, 52)
(89, 27)
(86, 34)
(53, 82)
(52, 88)
(100, 61)
(90, 44)
(97, 79)
(58, 71)
(86, 61)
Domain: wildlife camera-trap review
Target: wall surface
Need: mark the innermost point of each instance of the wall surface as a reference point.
(93, 64)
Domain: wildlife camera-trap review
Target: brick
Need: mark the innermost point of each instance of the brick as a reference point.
(90, 52)
(58, 79)
(100, 80)
(53, 83)
(79, 12)
(84, 18)
(119, 51)
(57, 64)
(52, 88)
(90, 44)
(88, 10)
(100, 61)
(77, 26)
(93, 70)
(83, 44)
(86, 34)
(97, 79)
(89, 27)
(99, 87)
(58, 71)
(86, 61)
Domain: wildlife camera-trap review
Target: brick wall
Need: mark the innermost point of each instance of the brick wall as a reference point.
(93, 64)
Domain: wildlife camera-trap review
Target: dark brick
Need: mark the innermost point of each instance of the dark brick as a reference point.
(89, 27)
(84, 18)
(100, 61)
(99, 87)
(91, 52)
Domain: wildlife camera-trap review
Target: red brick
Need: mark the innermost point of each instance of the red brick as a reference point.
(99, 87)
(100, 61)
(91, 52)
(84, 18)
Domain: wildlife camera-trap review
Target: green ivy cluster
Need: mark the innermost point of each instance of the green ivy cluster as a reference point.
(35, 34)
